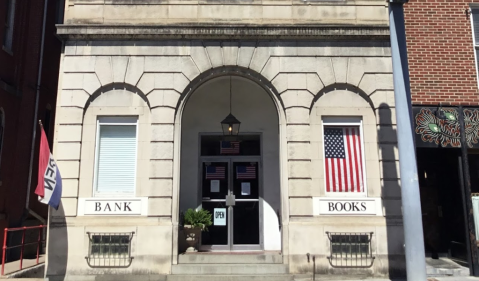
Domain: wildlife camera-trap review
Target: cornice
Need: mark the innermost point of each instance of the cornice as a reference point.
(216, 31)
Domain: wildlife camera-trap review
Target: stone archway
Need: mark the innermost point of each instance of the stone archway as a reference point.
(200, 109)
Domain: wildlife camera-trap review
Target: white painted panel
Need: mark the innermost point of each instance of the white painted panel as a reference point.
(347, 206)
(137, 206)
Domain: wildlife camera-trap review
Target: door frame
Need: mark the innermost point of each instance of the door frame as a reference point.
(230, 159)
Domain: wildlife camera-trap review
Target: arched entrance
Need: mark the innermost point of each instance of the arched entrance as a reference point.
(239, 179)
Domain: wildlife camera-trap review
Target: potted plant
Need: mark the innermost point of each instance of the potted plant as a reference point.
(195, 221)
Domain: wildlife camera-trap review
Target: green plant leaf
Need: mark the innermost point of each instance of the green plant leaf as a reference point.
(434, 128)
(198, 218)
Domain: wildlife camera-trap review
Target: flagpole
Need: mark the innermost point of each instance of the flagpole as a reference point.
(47, 241)
(47, 238)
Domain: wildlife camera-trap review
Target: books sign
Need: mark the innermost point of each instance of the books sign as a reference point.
(347, 206)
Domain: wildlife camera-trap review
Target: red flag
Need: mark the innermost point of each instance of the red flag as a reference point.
(49, 188)
(42, 163)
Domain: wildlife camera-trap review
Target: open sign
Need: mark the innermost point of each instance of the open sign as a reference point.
(219, 216)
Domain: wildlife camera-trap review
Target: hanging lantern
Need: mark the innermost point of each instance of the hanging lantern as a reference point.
(230, 124)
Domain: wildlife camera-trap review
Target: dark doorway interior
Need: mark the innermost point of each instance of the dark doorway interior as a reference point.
(442, 203)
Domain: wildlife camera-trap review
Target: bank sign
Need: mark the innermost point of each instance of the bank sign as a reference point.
(137, 206)
(347, 206)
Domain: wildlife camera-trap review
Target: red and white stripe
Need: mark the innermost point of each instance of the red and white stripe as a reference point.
(346, 174)
(219, 174)
(250, 173)
(233, 148)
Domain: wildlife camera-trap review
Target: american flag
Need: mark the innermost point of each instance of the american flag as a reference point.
(229, 147)
(343, 159)
(215, 173)
(245, 172)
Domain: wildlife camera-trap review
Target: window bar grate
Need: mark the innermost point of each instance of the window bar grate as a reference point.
(109, 250)
(350, 249)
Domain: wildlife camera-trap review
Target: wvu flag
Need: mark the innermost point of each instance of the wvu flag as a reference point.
(49, 188)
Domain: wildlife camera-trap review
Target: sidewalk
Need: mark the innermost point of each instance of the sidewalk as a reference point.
(352, 278)
(11, 267)
(453, 278)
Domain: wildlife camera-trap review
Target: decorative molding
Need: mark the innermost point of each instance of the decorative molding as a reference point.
(210, 31)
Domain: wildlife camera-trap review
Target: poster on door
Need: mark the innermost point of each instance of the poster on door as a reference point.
(219, 216)
(215, 186)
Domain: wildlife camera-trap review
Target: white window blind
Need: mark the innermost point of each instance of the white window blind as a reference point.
(116, 156)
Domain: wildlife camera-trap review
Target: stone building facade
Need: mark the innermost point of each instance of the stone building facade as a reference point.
(293, 72)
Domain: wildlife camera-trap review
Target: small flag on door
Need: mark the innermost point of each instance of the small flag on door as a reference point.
(49, 188)
(229, 147)
(245, 172)
(215, 173)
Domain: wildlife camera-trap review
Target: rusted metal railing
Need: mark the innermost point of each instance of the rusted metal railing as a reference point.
(24, 229)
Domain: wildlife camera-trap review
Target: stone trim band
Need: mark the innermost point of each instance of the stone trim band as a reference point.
(208, 31)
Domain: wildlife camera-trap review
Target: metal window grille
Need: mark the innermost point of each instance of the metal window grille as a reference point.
(350, 250)
(109, 249)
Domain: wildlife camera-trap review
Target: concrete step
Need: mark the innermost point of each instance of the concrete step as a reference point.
(445, 267)
(230, 259)
(281, 277)
(438, 272)
(229, 269)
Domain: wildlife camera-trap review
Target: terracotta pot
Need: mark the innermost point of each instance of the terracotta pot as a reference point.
(193, 236)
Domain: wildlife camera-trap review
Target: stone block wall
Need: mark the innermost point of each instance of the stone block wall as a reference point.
(114, 12)
(311, 80)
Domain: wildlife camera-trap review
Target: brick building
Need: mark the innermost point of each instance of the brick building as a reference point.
(444, 87)
(21, 95)
(441, 53)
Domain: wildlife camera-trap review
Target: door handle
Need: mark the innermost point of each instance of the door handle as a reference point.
(230, 200)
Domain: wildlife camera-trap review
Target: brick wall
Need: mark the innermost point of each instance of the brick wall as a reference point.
(19, 69)
(441, 53)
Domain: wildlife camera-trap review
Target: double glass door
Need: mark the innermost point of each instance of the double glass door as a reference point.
(230, 191)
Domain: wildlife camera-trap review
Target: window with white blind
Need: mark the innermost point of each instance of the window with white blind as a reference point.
(9, 21)
(344, 169)
(115, 157)
(475, 35)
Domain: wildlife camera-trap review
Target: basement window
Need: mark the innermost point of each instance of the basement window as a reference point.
(350, 250)
(109, 249)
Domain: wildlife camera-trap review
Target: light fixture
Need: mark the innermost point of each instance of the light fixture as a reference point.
(230, 124)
